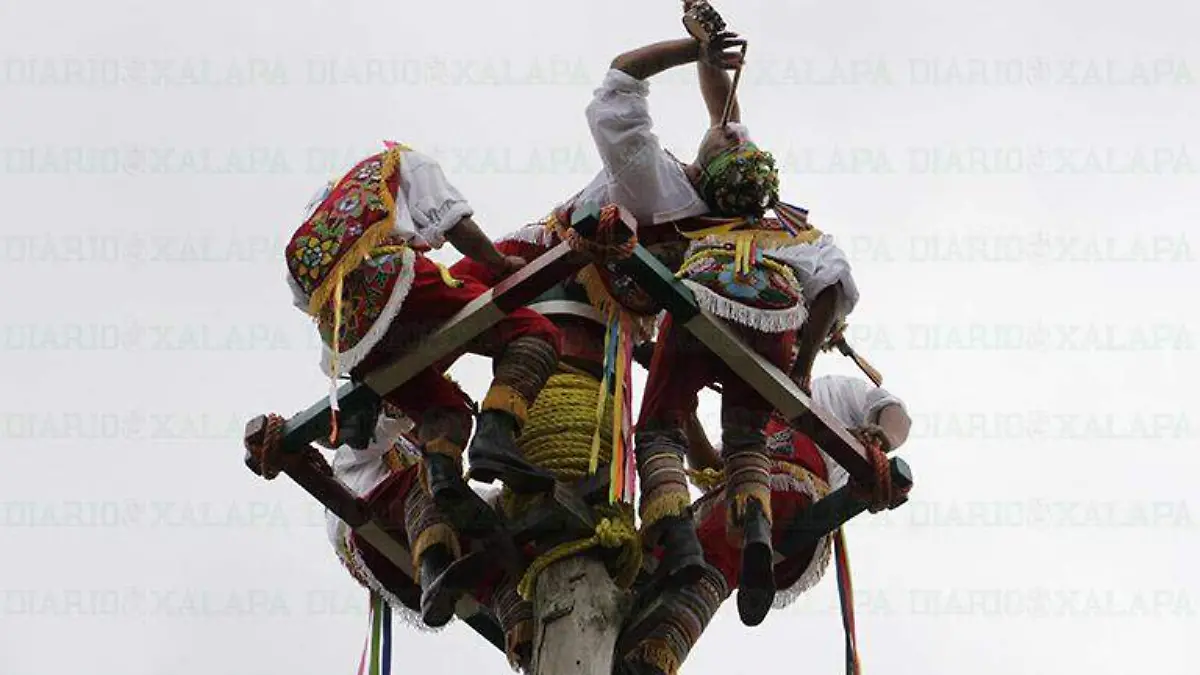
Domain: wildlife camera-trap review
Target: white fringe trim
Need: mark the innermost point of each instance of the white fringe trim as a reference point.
(405, 615)
(812, 574)
(765, 320)
(350, 358)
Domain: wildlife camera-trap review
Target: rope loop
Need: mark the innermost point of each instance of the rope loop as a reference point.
(266, 454)
(882, 495)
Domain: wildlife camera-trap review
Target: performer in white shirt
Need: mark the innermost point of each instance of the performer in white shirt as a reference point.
(357, 265)
(778, 280)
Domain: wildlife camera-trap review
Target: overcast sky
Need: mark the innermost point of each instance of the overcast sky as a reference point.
(1014, 183)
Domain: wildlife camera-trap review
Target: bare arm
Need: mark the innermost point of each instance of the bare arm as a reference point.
(651, 60)
(701, 453)
(715, 85)
(473, 243)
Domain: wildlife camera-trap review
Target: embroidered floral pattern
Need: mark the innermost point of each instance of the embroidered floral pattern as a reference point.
(365, 293)
(347, 211)
(761, 288)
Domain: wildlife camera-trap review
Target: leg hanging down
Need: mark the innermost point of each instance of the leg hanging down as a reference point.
(521, 372)
(748, 508)
(443, 433)
(665, 506)
(434, 545)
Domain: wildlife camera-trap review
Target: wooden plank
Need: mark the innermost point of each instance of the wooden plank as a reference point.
(355, 512)
(831, 512)
(775, 386)
(481, 314)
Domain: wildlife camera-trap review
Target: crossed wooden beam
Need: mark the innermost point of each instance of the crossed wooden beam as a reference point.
(568, 512)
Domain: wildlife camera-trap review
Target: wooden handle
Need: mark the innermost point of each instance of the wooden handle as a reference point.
(737, 77)
(863, 365)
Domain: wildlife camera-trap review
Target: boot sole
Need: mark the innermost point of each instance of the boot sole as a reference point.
(756, 587)
(438, 610)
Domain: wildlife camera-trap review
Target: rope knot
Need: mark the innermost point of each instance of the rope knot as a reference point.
(882, 495)
(263, 455)
(613, 534)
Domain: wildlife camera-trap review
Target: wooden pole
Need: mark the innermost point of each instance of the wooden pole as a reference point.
(578, 612)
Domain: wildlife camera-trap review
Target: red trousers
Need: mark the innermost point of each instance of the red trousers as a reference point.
(428, 305)
(682, 366)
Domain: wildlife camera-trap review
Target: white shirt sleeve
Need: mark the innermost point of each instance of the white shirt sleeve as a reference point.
(854, 402)
(642, 177)
(427, 204)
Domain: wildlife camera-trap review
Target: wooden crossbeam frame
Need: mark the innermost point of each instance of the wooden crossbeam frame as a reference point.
(479, 315)
(302, 429)
(539, 276)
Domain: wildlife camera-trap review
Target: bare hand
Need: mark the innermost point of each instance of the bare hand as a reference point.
(724, 51)
(510, 264)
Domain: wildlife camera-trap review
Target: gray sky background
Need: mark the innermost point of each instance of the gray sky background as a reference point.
(1014, 183)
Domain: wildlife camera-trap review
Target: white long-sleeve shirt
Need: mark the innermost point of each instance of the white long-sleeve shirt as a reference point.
(644, 178)
(854, 402)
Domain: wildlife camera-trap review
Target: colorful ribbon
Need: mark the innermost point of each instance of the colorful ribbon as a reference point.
(846, 599)
(379, 641)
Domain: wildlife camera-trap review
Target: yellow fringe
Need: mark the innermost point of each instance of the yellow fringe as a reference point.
(369, 239)
(665, 506)
(656, 653)
(763, 238)
(779, 268)
(433, 535)
(505, 398)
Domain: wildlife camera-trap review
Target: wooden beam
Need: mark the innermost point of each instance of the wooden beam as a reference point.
(481, 314)
(833, 511)
(314, 477)
(775, 386)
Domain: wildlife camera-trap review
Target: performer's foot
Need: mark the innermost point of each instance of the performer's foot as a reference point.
(494, 455)
(683, 557)
(756, 587)
(438, 597)
(470, 515)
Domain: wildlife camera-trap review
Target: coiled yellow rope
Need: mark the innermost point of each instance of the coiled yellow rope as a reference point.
(558, 437)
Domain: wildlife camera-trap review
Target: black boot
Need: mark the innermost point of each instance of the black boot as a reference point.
(462, 506)
(494, 455)
(756, 586)
(438, 598)
(683, 557)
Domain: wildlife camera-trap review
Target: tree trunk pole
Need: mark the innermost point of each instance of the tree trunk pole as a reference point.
(578, 612)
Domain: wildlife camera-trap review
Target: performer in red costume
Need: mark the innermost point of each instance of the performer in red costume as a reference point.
(659, 637)
(357, 265)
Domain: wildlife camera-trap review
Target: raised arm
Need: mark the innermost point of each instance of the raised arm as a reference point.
(619, 119)
(715, 85)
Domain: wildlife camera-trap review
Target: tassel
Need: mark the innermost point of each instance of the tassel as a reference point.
(333, 363)
(794, 218)
(846, 599)
(601, 397)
